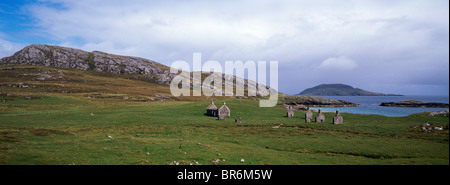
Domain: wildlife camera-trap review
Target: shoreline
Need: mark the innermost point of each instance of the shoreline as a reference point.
(415, 103)
(399, 113)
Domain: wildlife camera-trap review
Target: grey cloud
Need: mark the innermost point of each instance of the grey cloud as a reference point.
(394, 38)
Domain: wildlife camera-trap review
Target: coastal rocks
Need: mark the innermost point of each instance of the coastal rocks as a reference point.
(311, 101)
(438, 112)
(429, 127)
(414, 103)
(331, 103)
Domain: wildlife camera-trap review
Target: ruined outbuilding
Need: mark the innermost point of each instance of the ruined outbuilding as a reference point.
(320, 117)
(290, 112)
(212, 110)
(223, 111)
(308, 115)
(338, 119)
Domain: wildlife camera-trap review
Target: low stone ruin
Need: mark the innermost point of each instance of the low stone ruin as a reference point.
(212, 110)
(308, 115)
(224, 111)
(290, 112)
(320, 117)
(338, 119)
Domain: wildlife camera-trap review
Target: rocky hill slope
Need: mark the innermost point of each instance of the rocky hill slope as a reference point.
(339, 90)
(38, 69)
(57, 56)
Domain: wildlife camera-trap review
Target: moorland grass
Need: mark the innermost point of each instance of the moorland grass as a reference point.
(49, 129)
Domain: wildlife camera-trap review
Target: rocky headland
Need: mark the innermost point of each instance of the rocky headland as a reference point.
(414, 103)
(312, 101)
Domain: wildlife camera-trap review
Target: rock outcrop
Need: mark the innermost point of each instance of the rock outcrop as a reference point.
(414, 103)
(311, 101)
(125, 64)
(57, 56)
(44, 55)
(438, 112)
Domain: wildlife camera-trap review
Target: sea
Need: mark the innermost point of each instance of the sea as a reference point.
(370, 105)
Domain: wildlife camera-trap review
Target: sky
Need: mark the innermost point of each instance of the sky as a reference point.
(388, 46)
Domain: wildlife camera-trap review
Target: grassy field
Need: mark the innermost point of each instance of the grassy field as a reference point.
(78, 130)
(73, 117)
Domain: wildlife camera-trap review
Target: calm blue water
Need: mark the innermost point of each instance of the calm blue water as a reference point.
(370, 105)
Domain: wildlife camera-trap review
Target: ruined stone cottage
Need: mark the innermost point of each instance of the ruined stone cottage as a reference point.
(308, 115)
(290, 112)
(223, 111)
(320, 117)
(212, 110)
(338, 119)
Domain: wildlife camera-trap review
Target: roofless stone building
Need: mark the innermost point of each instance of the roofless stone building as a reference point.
(320, 117)
(290, 112)
(224, 111)
(308, 115)
(221, 113)
(212, 110)
(338, 119)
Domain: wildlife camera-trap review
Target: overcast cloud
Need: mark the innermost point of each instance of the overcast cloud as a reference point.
(396, 46)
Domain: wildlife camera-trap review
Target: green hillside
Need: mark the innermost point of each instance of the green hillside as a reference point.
(76, 131)
(76, 117)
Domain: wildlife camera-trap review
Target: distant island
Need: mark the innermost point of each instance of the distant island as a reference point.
(339, 90)
(414, 103)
